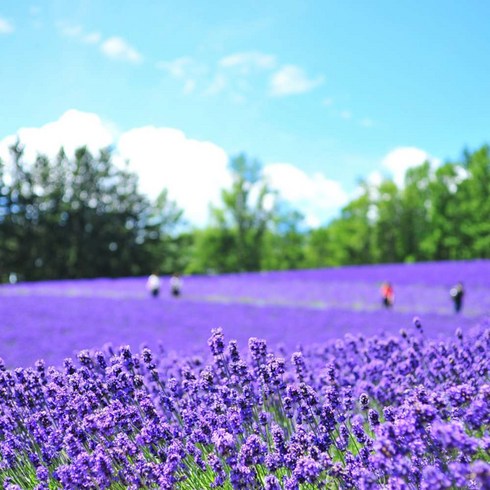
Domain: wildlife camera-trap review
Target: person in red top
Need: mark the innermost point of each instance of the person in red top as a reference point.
(387, 295)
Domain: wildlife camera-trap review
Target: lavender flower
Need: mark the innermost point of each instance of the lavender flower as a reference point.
(163, 420)
(306, 470)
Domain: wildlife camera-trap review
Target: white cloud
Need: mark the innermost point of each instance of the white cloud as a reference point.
(217, 85)
(69, 30)
(237, 75)
(178, 68)
(247, 61)
(117, 48)
(6, 27)
(113, 47)
(189, 86)
(91, 38)
(194, 172)
(185, 69)
(375, 178)
(399, 160)
(291, 79)
(72, 130)
(317, 197)
(345, 114)
(77, 32)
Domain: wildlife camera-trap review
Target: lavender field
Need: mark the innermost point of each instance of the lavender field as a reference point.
(54, 320)
(105, 387)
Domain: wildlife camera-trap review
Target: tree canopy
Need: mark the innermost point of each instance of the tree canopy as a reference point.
(80, 217)
(85, 217)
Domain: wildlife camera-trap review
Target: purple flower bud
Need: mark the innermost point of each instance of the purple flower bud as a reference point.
(417, 323)
(373, 417)
(306, 470)
(271, 483)
(223, 441)
(364, 401)
(216, 342)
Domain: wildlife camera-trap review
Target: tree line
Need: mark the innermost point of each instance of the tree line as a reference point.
(85, 217)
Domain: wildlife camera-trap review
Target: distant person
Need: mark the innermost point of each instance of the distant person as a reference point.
(153, 285)
(175, 285)
(457, 294)
(387, 295)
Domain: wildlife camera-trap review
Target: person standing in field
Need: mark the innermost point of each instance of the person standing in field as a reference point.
(457, 294)
(387, 295)
(153, 285)
(175, 285)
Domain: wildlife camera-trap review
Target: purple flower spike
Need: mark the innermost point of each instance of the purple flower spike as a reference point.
(216, 342)
(417, 323)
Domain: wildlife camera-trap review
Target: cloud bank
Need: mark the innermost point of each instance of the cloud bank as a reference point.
(117, 48)
(239, 73)
(72, 130)
(399, 160)
(114, 47)
(291, 79)
(6, 27)
(193, 171)
(314, 195)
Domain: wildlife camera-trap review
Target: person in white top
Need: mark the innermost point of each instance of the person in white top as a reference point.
(175, 285)
(153, 285)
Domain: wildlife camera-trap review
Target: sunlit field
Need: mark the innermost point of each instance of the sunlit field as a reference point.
(323, 388)
(53, 320)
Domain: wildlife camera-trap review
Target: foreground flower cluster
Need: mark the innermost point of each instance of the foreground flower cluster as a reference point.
(380, 412)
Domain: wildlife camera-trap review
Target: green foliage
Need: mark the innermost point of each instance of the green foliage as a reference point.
(318, 248)
(212, 251)
(165, 241)
(235, 239)
(284, 242)
(347, 239)
(415, 204)
(388, 224)
(84, 217)
(439, 214)
(80, 217)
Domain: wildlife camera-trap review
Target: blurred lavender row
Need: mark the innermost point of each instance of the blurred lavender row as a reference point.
(53, 320)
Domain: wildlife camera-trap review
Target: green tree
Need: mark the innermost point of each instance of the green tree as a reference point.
(19, 216)
(387, 228)
(444, 240)
(213, 251)
(7, 236)
(284, 242)
(79, 217)
(415, 209)
(319, 248)
(103, 217)
(351, 236)
(235, 239)
(474, 200)
(165, 240)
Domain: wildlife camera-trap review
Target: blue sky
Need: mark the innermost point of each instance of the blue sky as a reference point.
(323, 93)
